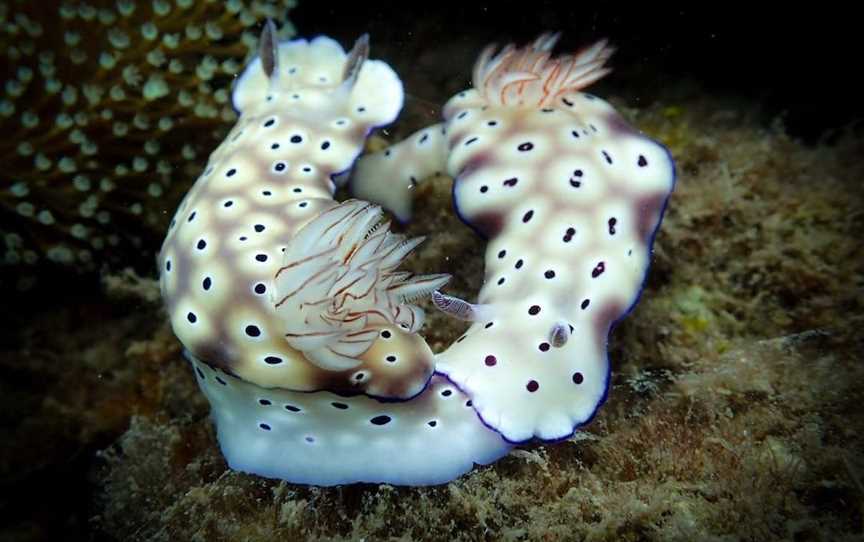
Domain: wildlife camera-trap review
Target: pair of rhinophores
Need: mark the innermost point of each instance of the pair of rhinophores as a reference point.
(293, 311)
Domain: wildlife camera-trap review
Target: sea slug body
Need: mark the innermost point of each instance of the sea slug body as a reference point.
(569, 197)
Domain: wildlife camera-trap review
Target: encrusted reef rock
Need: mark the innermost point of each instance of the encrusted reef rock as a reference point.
(734, 409)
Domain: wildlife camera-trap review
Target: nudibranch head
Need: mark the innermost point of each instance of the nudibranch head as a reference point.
(530, 77)
(339, 291)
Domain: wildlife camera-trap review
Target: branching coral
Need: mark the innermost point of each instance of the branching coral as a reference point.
(107, 108)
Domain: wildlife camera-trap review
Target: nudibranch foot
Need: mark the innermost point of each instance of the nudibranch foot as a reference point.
(326, 439)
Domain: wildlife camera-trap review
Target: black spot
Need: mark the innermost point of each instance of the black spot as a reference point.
(361, 109)
(391, 359)
(484, 189)
(167, 265)
(472, 140)
(535, 309)
(544, 347)
(219, 380)
(307, 169)
(612, 222)
(500, 281)
(598, 270)
(549, 274)
(296, 139)
(380, 420)
(502, 253)
(593, 128)
(462, 115)
(191, 216)
(260, 288)
(264, 402)
(230, 172)
(606, 154)
(567, 102)
(206, 283)
(585, 304)
(269, 97)
(641, 163)
(462, 338)
(253, 331)
(386, 334)
(325, 145)
(423, 138)
(259, 227)
(432, 423)
(488, 325)
(447, 393)
(264, 426)
(519, 264)
(228, 203)
(200, 373)
(279, 166)
(269, 123)
(261, 257)
(468, 403)
(202, 244)
(575, 133)
(274, 146)
(525, 147)
(297, 190)
(191, 317)
(490, 360)
(568, 235)
(303, 204)
(527, 216)
(242, 237)
(273, 360)
(578, 378)
(532, 386)
(340, 406)
(511, 182)
(266, 193)
(492, 123)
(340, 122)
(388, 152)
(292, 408)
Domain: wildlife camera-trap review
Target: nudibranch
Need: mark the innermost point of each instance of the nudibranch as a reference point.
(570, 197)
(300, 328)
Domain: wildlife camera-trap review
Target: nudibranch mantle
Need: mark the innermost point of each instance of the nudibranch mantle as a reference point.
(570, 197)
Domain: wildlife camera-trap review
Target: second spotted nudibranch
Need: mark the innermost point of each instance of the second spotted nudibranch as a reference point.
(570, 197)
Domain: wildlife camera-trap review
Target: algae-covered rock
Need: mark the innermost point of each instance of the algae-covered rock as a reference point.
(734, 411)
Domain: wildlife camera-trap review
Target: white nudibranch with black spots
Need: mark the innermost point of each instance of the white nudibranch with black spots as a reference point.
(570, 197)
(290, 306)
